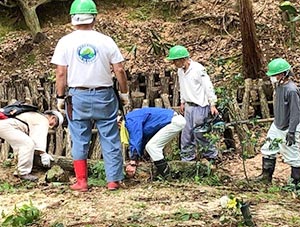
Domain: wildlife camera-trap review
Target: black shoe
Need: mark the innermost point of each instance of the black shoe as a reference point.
(28, 177)
(163, 169)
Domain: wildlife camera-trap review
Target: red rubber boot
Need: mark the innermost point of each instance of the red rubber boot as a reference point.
(80, 168)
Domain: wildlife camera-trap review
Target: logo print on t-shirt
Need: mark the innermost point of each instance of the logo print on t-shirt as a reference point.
(86, 53)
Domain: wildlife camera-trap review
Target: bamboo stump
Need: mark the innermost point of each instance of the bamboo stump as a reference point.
(241, 129)
(263, 100)
(137, 99)
(166, 101)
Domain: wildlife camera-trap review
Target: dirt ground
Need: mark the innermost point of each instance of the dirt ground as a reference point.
(158, 203)
(145, 204)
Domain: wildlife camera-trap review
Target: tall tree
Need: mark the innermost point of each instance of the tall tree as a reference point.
(28, 8)
(253, 61)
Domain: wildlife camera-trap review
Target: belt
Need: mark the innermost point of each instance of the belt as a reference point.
(192, 104)
(90, 88)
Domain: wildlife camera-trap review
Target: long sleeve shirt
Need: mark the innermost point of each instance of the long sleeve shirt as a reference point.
(196, 86)
(287, 106)
(142, 124)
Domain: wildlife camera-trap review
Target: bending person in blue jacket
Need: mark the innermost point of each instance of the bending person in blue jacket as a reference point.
(151, 128)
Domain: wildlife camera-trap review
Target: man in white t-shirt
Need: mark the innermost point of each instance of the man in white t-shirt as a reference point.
(84, 59)
(27, 133)
(198, 100)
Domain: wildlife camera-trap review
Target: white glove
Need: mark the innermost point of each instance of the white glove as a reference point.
(45, 159)
(61, 105)
(124, 98)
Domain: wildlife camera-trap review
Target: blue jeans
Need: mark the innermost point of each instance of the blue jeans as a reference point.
(99, 107)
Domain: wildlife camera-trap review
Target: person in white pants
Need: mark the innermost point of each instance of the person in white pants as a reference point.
(27, 133)
(286, 125)
(151, 128)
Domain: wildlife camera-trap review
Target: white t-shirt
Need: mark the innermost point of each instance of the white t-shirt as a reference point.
(88, 55)
(196, 86)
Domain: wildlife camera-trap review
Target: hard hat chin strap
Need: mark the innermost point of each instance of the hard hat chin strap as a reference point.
(282, 80)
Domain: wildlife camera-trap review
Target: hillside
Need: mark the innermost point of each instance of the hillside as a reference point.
(210, 31)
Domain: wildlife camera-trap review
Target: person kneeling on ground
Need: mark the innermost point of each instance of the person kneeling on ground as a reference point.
(151, 128)
(26, 134)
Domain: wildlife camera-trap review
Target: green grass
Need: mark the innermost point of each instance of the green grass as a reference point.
(6, 187)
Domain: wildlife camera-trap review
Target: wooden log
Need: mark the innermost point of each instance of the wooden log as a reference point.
(19, 89)
(158, 102)
(176, 97)
(263, 100)
(33, 87)
(95, 150)
(59, 141)
(150, 84)
(137, 99)
(165, 85)
(154, 94)
(241, 129)
(28, 98)
(47, 96)
(51, 144)
(145, 103)
(5, 148)
(68, 143)
(144, 167)
(166, 101)
(246, 99)
(3, 101)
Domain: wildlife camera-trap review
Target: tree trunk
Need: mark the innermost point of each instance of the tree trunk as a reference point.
(28, 8)
(252, 57)
(241, 129)
(30, 16)
(144, 169)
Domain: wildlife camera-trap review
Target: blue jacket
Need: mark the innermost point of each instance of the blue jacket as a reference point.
(142, 124)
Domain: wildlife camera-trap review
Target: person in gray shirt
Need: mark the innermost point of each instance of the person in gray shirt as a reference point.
(283, 135)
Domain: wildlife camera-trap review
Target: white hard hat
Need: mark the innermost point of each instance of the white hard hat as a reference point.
(57, 114)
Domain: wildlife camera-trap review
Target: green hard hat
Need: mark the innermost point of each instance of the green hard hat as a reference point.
(83, 7)
(276, 66)
(178, 52)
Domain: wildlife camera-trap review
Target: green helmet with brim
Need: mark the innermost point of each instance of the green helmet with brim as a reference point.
(178, 52)
(83, 7)
(277, 66)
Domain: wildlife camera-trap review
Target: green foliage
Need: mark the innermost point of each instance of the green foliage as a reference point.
(25, 215)
(97, 176)
(7, 163)
(231, 210)
(274, 189)
(274, 143)
(183, 215)
(292, 16)
(207, 177)
(291, 187)
(158, 46)
(295, 220)
(146, 10)
(132, 50)
(6, 187)
(30, 59)
(175, 151)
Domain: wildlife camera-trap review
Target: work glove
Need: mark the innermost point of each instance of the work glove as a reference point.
(290, 138)
(124, 99)
(45, 159)
(61, 105)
